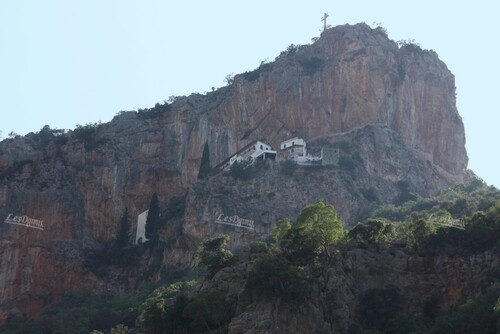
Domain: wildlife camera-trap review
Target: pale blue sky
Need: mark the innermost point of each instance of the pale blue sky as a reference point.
(71, 62)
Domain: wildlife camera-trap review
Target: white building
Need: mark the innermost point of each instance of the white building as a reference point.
(255, 151)
(140, 233)
(295, 149)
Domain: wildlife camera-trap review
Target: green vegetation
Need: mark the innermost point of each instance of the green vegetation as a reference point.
(213, 254)
(295, 264)
(251, 76)
(241, 170)
(169, 310)
(157, 110)
(123, 235)
(379, 307)
(316, 228)
(288, 167)
(153, 220)
(79, 313)
(373, 231)
(205, 168)
(311, 65)
(246, 169)
(298, 251)
(87, 134)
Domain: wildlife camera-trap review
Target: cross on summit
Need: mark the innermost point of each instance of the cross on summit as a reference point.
(324, 20)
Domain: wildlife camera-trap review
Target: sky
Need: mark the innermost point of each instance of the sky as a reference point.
(66, 63)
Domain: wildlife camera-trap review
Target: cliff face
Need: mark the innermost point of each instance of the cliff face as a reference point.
(80, 183)
(334, 301)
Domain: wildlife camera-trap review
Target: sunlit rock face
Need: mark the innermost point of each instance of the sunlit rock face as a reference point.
(395, 105)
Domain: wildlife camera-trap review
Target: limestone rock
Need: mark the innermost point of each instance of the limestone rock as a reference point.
(353, 78)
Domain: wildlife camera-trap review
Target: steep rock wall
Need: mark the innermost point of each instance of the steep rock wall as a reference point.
(80, 183)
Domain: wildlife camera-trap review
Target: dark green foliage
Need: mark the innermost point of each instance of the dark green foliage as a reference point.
(288, 167)
(116, 253)
(476, 315)
(162, 311)
(431, 306)
(213, 254)
(274, 277)
(371, 232)
(346, 163)
(153, 219)
(100, 260)
(207, 311)
(316, 228)
(311, 65)
(404, 192)
(169, 310)
(205, 168)
(156, 111)
(482, 232)
(175, 208)
(123, 235)
(251, 76)
(47, 135)
(173, 274)
(87, 134)
(371, 194)
(344, 146)
(16, 168)
(242, 170)
(460, 201)
(379, 306)
(79, 312)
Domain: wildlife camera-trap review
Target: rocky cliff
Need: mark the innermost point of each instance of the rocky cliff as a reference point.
(396, 104)
(411, 283)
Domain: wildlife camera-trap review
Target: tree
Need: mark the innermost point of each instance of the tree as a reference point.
(123, 235)
(242, 169)
(205, 168)
(153, 219)
(373, 231)
(315, 229)
(158, 315)
(229, 79)
(281, 229)
(213, 254)
(422, 229)
(119, 329)
(209, 310)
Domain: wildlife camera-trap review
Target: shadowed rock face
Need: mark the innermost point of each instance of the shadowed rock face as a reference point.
(80, 183)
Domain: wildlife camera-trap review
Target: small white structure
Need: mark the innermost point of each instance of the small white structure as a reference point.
(295, 149)
(255, 151)
(140, 234)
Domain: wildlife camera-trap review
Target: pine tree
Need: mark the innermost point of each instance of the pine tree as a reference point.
(205, 168)
(153, 220)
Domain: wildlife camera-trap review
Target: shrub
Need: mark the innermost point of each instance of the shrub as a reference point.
(242, 170)
(274, 277)
(213, 254)
(208, 311)
(346, 163)
(311, 65)
(316, 228)
(378, 306)
(288, 168)
(371, 232)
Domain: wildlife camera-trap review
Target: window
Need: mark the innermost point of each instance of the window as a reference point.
(261, 147)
